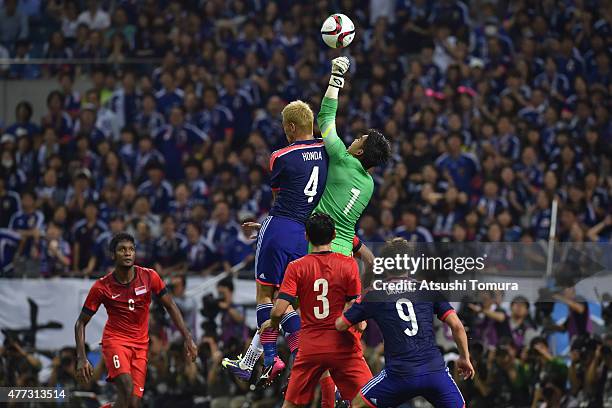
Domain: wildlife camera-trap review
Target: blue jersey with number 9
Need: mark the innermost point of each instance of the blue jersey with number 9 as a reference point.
(405, 319)
(298, 176)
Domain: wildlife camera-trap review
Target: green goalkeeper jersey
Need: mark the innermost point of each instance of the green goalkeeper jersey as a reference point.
(349, 186)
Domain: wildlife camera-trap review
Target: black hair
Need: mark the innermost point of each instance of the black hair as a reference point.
(457, 135)
(90, 203)
(53, 224)
(56, 94)
(167, 217)
(211, 89)
(520, 299)
(393, 248)
(29, 192)
(128, 129)
(226, 282)
(27, 105)
(181, 108)
(183, 279)
(191, 162)
(128, 72)
(320, 229)
(64, 74)
(91, 91)
(120, 237)
(376, 150)
(117, 217)
(410, 210)
(538, 340)
(154, 165)
(196, 226)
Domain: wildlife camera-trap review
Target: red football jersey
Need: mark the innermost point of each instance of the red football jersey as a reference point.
(323, 282)
(127, 306)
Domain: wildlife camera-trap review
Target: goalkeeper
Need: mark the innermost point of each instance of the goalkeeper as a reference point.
(349, 186)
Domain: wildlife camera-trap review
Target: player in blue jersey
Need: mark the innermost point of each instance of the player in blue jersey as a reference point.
(413, 363)
(298, 175)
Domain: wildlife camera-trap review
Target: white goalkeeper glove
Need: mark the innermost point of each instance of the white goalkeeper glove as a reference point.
(340, 66)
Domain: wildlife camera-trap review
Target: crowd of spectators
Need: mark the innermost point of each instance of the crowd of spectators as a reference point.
(491, 119)
(494, 110)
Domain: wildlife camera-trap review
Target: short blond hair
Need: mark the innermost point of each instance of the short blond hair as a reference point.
(299, 113)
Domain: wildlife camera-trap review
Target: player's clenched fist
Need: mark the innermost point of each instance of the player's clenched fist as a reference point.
(340, 66)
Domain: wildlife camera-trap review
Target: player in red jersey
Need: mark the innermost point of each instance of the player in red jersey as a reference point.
(325, 283)
(126, 295)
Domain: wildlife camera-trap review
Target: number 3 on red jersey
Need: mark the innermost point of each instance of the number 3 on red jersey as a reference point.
(321, 285)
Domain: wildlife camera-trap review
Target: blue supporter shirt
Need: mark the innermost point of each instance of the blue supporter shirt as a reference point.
(271, 129)
(420, 234)
(18, 129)
(238, 249)
(159, 196)
(241, 105)
(175, 143)
(219, 235)
(508, 146)
(101, 251)
(10, 203)
(9, 241)
(168, 100)
(298, 175)
(405, 319)
(16, 180)
(170, 251)
(25, 221)
(462, 169)
(215, 122)
(199, 256)
(149, 124)
(540, 224)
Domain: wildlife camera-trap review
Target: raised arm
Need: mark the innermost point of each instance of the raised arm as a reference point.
(326, 119)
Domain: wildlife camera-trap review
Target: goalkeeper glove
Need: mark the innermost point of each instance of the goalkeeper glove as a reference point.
(340, 66)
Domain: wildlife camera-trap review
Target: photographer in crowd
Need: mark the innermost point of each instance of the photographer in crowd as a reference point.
(18, 366)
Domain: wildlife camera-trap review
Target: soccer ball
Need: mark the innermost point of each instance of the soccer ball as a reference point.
(338, 31)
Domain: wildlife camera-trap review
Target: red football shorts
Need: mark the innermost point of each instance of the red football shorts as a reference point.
(349, 371)
(130, 360)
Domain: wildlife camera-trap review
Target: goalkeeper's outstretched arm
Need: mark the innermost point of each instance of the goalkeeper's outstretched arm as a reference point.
(326, 118)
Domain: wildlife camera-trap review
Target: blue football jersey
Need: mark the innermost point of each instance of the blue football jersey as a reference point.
(406, 322)
(9, 241)
(298, 176)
